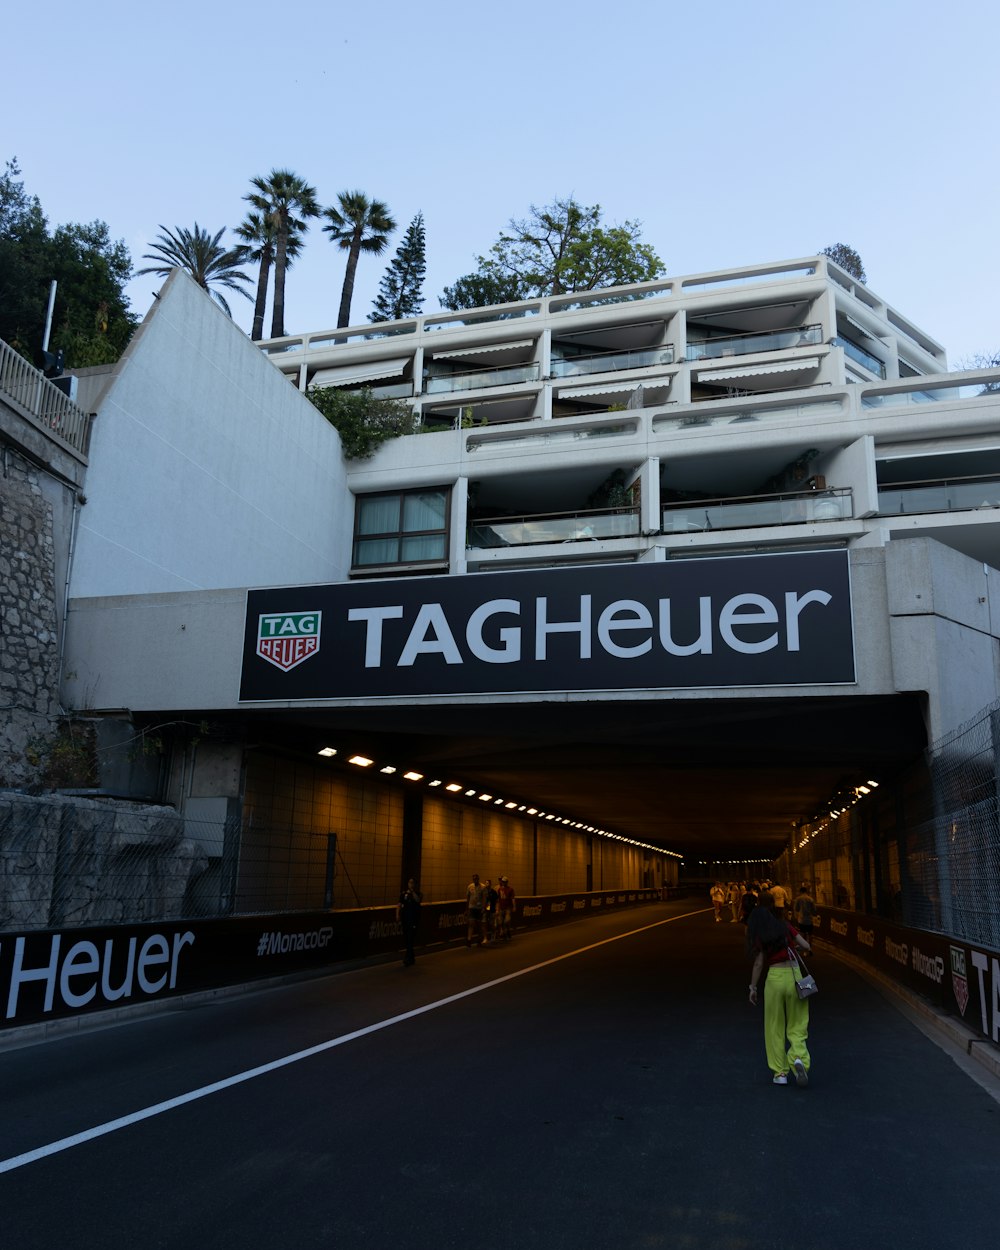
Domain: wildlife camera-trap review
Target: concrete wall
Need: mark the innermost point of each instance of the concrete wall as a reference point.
(208, 468)
(945, 622)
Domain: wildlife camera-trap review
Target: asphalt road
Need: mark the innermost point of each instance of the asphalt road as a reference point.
(600, 1084)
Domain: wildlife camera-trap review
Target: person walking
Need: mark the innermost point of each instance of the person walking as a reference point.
(718, 896)
(490, 900)
(408, 915)
(804, 912)
(475, 896)
(505, 909)
(781, 898)
(786, 1016)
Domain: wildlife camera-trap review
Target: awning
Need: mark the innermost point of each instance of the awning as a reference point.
(360, 373)
(482, 351)
(611, 388)
(860, 328)
(756, 371)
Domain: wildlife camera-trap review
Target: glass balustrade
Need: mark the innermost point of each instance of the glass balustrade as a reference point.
(553, 528)
(751, 513)
(481, 379)
(745, 344)
(858, 353)
(910, 498)
(611, 362)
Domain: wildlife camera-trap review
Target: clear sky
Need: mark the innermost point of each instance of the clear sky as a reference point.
(736, 133)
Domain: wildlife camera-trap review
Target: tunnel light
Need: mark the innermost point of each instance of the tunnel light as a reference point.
(873, 784)
(362, 761)
(329, 752)
(454, 787)
(388, 770)
(532, 811)
(413, 776)
(510, 805)
(485, 798)
(434, 783)
(496, 801)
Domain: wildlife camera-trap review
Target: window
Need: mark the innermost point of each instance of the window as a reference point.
(405, 527)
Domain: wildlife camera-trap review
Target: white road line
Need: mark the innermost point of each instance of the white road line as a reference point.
(147, 1113)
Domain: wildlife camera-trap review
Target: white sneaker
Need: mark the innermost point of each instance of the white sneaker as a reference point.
(780, 1079)
(801, 1075)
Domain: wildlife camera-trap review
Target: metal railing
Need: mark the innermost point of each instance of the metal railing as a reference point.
(745, 344)
(612, 362)
(41, 401)
(748, 512)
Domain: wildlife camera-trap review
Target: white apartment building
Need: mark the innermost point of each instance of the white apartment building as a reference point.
(742, 532)
(763, 408)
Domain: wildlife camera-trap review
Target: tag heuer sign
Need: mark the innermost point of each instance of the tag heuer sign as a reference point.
(285, 639)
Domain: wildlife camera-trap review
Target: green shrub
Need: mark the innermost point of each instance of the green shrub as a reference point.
(363, 421)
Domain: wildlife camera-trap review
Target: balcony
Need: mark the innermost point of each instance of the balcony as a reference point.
(858, 353)
(611, 362)
(481, 379)
(952, 495)
(553, 527)
(746, 344)
(755, 511)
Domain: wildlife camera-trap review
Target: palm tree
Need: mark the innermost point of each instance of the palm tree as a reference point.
(360, 225)
(202, 256)
(288, 202)
(258, 237)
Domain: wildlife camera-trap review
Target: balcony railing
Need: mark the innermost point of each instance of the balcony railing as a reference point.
(750, 512)
(745, 344)
(858, 353)
(611, 362)
(553, 527)
(953, 495)
(41, 400)
(481, 379)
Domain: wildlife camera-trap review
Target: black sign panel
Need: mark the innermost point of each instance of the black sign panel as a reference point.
(770, 620)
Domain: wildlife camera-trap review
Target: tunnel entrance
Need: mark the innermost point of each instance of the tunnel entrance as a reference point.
(705, 778)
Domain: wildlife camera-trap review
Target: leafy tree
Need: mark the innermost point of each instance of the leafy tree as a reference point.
(203, 257)
(487, 286)
(846, 257)
(363, 421)
(564, 246)
(358, 225)
(257, 243)
(288, 202)
(399, 291)
(91, 321)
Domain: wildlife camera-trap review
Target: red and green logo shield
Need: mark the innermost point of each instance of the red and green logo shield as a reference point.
(285, 639)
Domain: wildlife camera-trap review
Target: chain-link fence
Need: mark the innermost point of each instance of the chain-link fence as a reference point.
(923, 850)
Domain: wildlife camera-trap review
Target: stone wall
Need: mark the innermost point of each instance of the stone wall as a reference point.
(29, 629)
(69, 862)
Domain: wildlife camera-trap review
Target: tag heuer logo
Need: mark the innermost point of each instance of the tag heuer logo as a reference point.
(959, 982)
(285, 639)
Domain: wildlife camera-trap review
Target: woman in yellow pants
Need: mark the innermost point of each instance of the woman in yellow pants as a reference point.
(786, 1016)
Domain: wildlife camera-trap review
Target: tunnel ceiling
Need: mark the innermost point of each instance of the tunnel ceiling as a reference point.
(707, 779)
